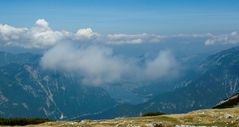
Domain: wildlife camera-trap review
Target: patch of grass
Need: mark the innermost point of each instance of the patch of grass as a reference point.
(168, 119)
(22, 121)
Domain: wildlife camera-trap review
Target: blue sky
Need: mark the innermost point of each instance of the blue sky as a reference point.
(126, 16)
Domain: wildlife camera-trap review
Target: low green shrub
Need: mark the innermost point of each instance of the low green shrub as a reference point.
(153, 114)
(22, 121)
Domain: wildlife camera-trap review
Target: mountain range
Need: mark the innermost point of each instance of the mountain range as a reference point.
(214, 79)
(27, 90)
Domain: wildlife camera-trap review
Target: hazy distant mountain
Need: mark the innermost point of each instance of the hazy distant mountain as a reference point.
(28, 91)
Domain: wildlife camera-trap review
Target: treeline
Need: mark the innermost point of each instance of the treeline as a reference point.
(22, 121)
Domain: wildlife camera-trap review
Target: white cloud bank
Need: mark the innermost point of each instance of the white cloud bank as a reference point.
(8, 33)
(232, 38)
(41, 35)
(98, 65)
(119, 39)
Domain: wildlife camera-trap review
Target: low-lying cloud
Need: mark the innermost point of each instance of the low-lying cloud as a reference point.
(99, 65)
(163, 65)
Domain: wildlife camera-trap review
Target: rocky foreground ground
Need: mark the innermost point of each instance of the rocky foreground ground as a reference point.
(202, 118)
